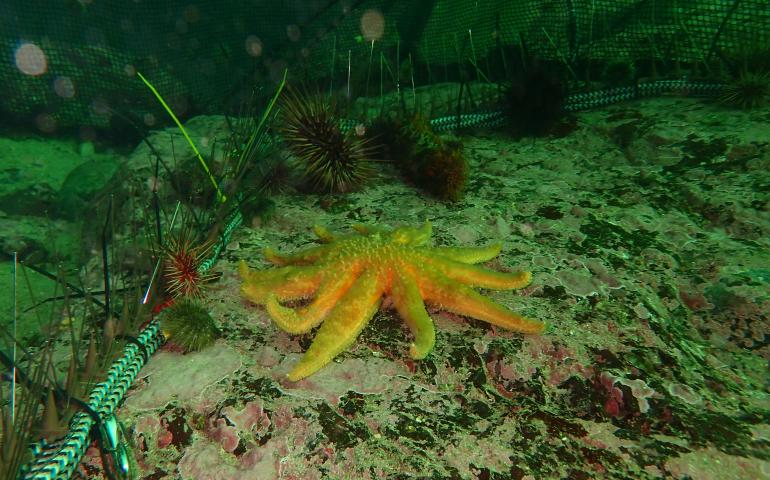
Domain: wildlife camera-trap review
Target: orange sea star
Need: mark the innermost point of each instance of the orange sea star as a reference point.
(348, 276)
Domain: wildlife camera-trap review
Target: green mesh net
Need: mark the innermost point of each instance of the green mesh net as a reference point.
(72, 64)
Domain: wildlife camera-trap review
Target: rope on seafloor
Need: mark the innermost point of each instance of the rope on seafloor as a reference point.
(58, 460)
(234, 221)
(578, 102)
(585, 101)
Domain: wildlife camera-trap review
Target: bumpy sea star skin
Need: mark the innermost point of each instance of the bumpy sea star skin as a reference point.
(347, 277)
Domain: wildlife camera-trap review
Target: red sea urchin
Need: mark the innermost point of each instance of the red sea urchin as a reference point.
(331, 160)
(181, 265)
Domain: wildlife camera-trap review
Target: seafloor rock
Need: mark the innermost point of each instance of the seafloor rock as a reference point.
(649, 248)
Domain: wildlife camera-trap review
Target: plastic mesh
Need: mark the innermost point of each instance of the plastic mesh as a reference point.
(72, 63)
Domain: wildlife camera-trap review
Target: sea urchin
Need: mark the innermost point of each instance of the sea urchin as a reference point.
(189, 325)
(181, 265)
(429, 161)
(748, 90)
(332, 160)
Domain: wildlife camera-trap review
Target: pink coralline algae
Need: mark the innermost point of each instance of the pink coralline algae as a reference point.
(249, 423)
(615, 404)
(224, 434)
(165, 437)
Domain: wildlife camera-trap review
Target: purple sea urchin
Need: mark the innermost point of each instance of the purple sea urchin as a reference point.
(331, 160)
(748, 90)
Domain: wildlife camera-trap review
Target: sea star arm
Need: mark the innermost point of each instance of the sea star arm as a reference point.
(414, 236)
(458, 298)
(286, 283)
(302, 320)
(303, 257)
(323, 234)
(267, 278)
(409, 304)
(365, 229)
(468, 254)
(343, 325)
(478, 276)
(251, 275)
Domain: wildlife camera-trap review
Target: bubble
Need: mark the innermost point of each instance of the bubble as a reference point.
(64, 87)
(100, 107)
(30, 59)
(293, 32)
(149, 119)
(253, 46)
(372, 25)
(45, 123)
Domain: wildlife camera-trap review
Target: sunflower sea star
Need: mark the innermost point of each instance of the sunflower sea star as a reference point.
(348, 276)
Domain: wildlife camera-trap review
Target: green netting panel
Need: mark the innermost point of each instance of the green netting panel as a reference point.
(72, 63)
(567, 31)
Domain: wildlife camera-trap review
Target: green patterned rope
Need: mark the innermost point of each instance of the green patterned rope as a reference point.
(58, 460)
(234, 221)
(578, 102)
